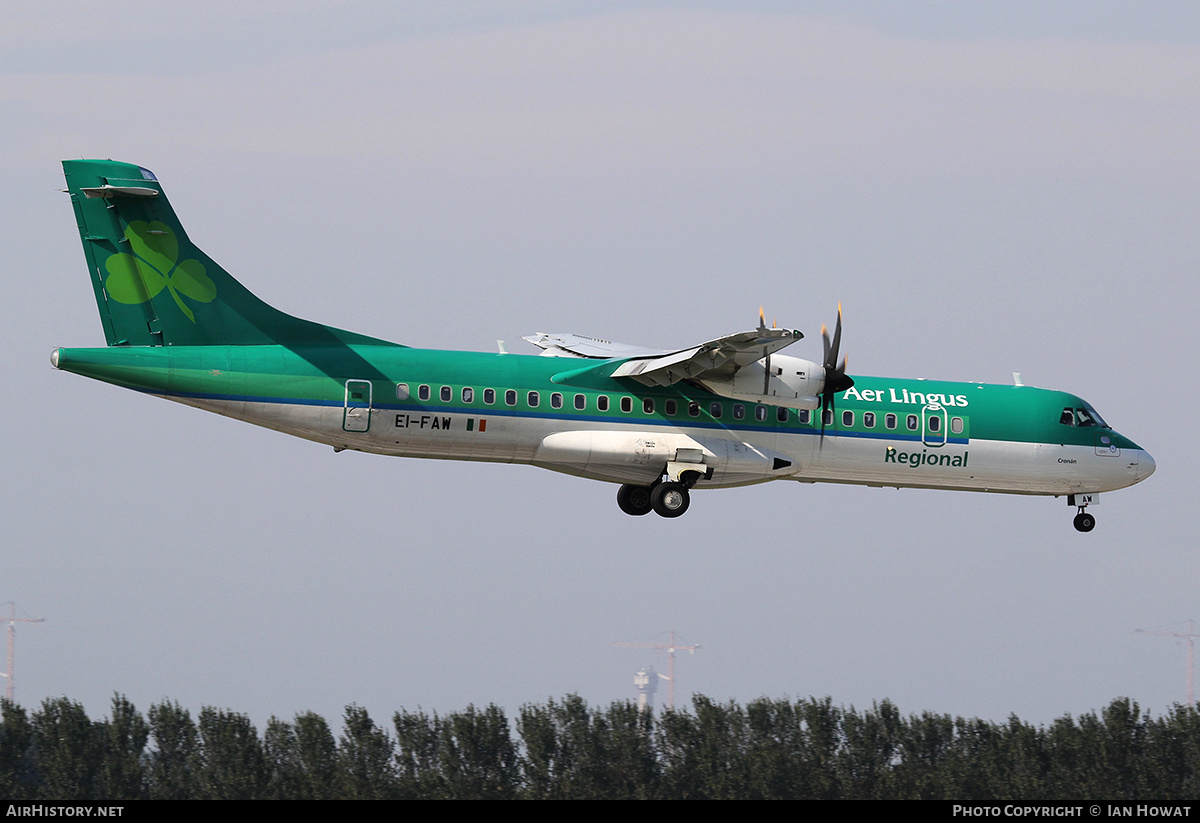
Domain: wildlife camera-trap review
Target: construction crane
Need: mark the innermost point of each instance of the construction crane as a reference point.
(1190, 635)
(670, 648)
(12, 620)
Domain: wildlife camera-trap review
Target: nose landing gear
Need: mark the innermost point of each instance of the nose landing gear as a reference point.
(1084, 522)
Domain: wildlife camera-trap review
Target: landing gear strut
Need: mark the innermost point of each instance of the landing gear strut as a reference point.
(1084, 522)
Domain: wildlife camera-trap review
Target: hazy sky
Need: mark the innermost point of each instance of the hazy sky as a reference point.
(987, 188)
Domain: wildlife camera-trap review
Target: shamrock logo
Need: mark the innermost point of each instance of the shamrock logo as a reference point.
(138, 276)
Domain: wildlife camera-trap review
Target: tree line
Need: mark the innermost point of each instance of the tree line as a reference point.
(566, 749)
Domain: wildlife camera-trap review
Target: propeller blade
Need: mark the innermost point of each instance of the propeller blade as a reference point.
(837, 338)
(836, 379)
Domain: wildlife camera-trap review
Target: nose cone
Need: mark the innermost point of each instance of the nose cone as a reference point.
(1146, 466)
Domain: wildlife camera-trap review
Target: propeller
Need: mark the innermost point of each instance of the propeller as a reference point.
(836, 379)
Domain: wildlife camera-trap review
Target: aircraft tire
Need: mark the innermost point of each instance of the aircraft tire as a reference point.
(634, 500)
(670, 499)
(1085, 522)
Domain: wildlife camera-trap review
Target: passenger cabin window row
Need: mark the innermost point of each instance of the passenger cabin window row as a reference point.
(670, 406)
(716, 409)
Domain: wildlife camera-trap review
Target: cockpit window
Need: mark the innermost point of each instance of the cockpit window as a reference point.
(1085, 416)
(1099, 420)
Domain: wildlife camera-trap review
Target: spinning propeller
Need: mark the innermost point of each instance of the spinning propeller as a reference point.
(836, 379)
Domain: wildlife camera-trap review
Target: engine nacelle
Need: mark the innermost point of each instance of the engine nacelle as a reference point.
(778, 380)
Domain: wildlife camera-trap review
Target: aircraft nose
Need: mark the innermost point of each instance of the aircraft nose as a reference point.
(1146, 466)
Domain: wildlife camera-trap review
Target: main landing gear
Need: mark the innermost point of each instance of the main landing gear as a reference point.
(666, 498)
(1084, 522)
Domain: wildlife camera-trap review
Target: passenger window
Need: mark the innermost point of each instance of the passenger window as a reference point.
(648, 405)
(602, 402)
(693, 409)
(447, 394)
(739, 411)
(890, 421)
(869, 419)
(912, 422)
(580, 402)
(804, 415)
(533, 398)
(423, 392)
(827, 417)
(956, 425)
(715, 410)
(489, 396)
(627, 404)
(847, 418)
(468, 394)
(672, 407)
(510, 397)
(935, 424)
(781, 414)
(401, 391)
(556, 401)
(760, 414)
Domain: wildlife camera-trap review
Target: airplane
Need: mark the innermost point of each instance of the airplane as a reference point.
(731, 411)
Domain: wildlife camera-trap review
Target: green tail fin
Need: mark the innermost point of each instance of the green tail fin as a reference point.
(153, 287)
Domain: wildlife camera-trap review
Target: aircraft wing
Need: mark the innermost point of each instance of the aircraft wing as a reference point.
(722, 356)
(593, 348)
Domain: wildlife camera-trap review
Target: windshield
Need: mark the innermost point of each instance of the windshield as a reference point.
(1086, 416)
(1089, 417)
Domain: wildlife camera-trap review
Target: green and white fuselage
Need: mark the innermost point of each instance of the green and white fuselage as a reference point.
(731, 412)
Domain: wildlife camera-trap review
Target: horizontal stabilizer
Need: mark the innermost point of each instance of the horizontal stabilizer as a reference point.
(106, 191)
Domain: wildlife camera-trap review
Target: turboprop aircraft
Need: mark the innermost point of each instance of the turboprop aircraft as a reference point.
(728, 412)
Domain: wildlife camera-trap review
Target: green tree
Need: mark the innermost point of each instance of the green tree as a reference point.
(705, 755)
(67, 749)
(366, 770)
(174, 752)
(122, 772)
(870, 751)
(16, 764)
(477, 756)
(301, 757)
(231, 764)
(573, 751)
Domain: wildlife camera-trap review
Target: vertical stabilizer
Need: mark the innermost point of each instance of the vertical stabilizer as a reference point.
(152, 286)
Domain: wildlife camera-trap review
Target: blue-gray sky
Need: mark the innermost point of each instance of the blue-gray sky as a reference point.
(987, 188)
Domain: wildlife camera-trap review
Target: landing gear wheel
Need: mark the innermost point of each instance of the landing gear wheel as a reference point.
(670, 499)
(634, 500)
(1085, 522)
